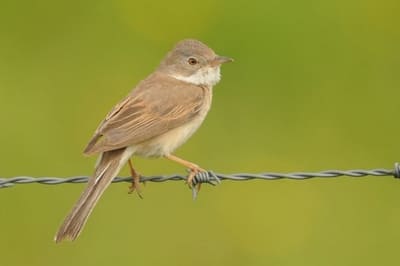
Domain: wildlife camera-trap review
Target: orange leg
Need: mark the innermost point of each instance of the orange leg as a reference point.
(135, 180)
(193, 168)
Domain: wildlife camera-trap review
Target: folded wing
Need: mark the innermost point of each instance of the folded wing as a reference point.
(155, 106)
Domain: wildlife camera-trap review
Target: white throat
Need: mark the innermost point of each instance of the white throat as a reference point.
(208, 76)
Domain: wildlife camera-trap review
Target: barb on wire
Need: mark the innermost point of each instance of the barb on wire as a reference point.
(209, 177)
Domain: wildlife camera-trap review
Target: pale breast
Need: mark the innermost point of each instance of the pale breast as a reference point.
(166, 143)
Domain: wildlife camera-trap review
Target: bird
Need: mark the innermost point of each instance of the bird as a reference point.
(154, 119)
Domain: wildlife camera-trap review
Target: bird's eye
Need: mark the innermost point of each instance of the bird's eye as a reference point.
(192, 61)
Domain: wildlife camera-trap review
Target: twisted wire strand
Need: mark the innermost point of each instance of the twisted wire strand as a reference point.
(210, 177)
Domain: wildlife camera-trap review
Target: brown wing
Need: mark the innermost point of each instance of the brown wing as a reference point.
(157, 105)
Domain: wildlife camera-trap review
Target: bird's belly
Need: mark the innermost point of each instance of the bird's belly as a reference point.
(166, 143)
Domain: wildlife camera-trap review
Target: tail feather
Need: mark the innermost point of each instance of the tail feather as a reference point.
(108, 167)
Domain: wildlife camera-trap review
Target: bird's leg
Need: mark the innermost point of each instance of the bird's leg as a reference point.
(135, 180)
(194, 169)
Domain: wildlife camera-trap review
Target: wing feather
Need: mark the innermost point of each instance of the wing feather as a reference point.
(158, 104)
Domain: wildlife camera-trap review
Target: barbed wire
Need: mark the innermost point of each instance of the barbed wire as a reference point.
(209, 177)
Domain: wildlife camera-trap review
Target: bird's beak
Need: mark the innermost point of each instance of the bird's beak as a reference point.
(218, 60)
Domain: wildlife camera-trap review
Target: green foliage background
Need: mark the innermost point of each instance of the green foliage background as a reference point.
(315, 86)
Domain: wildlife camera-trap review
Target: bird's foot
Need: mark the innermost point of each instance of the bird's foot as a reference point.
(135, 186)
(191, 182)
(193, 171)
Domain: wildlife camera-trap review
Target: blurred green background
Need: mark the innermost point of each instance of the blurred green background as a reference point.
(314, 86)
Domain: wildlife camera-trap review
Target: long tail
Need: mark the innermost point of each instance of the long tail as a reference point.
(108, 167)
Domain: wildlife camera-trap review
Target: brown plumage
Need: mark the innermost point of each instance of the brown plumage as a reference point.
(158, 104)
(159, 115)
(108, 166)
